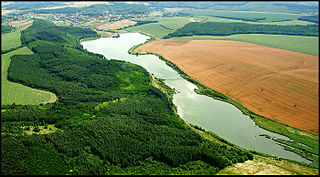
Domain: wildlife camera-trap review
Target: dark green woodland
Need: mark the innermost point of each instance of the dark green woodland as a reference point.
(225, 29)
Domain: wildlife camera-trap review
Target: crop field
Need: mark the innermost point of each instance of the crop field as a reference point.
(117, 24)
(10, 40)
(278, 84)
(302, 44)
(162, 28)
(270, 16)
(17, 93)
(21, 25)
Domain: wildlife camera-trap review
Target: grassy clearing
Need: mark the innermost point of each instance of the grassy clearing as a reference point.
(10, 40)
(162, 28)
(302, 44)
(17, 93)
(43, 129)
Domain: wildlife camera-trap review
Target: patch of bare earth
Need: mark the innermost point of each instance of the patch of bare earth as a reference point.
(275, 83)
(268, 166)
(117, 24)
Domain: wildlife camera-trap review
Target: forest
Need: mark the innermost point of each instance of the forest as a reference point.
(109, 117)
(224, 29)
(31, 5)
(313, 19)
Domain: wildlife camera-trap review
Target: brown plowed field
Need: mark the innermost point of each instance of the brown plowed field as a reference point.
(275, 83)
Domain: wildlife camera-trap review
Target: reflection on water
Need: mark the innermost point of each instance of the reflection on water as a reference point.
(222, 118)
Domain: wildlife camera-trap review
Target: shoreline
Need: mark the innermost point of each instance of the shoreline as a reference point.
(261, 121)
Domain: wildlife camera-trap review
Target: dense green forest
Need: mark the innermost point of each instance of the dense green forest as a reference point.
(242, 18)
(31, 5)
(224, 29)
(110, 118)
(314, 19)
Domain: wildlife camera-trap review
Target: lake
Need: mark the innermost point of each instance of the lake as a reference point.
(220, 117)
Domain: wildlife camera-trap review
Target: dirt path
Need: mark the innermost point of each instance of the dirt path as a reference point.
(275, 83)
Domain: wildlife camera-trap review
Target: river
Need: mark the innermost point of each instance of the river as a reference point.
(220, 117)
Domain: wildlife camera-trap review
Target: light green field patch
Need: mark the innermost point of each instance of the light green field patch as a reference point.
(154, 29)
(39, 42)
(49, 129)
(10, 40)
(17, 93)
(162, 28)
(302, 44)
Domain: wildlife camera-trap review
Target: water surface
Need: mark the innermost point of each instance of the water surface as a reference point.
(220, 117)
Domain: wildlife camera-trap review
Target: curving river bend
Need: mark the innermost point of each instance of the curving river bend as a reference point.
(222, 118)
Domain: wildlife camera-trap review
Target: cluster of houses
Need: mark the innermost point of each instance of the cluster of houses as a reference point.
(77, 19)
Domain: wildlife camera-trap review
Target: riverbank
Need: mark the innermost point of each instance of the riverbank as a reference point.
(261, 163)
(297, 135)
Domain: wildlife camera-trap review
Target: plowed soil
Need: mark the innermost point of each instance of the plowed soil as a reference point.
(278, 84)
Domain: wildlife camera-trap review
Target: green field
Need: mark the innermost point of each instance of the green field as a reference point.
(10, 40)
(302, 44)
(291, 22)
(17, 93)
(168, 25)
(270, 16)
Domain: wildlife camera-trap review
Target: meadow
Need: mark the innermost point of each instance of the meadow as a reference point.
(303, 44)
(162, 28)
(10, 40)
(17, 93)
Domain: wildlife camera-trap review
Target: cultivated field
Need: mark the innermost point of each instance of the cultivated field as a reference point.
(10, 40)
(302, 44)
(117, 24)
(17, 93)
(275, 83)
(21, 25)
